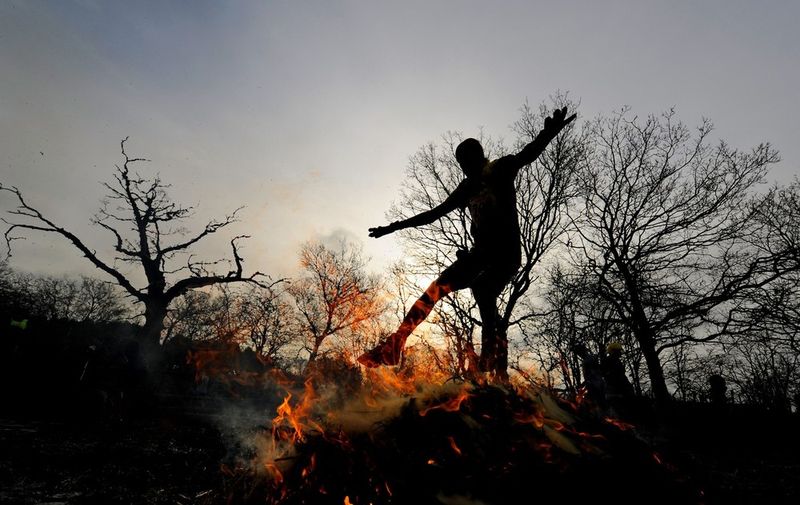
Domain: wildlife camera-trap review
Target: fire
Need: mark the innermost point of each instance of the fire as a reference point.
(452, 405)
(453, 445)
(310, 412)
(226, 363)
(623, 426)
(535, 418)
(207, 363)
(313, 424)
(383, 380)
(298, 417)
(311, 466)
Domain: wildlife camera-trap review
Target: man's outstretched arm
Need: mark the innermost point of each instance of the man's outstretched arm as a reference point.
(454, 201)
(552, 127)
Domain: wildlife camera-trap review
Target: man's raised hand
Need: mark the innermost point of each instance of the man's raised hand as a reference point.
(380, 231)
(555, 123)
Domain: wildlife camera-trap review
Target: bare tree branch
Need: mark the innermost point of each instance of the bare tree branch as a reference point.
(139, 213)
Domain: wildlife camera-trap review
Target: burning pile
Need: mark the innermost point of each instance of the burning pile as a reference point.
(397, 441)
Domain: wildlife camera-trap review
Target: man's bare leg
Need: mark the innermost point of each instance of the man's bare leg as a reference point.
(487, 306)
(389, 351)
(494, 342)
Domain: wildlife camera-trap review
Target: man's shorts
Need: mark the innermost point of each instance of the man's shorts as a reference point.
(484, 273)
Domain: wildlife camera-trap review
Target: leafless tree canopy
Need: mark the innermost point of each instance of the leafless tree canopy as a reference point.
(148, 230)
(253, 317)
(47, 297)
(667, 225)
(635, 230)
(335, 296)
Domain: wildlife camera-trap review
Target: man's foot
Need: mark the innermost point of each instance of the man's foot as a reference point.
(387, 352)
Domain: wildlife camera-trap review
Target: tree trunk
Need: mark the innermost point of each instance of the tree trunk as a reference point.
(658, 383)
(501, 359)
(643, 333)
(312, 357)
(637, 376)
(154, 315)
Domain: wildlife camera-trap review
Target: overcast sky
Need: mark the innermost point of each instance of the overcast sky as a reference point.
(307, 112)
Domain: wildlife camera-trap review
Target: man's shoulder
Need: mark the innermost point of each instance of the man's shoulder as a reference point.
(462, 192)
(505, 165)
(503, 160)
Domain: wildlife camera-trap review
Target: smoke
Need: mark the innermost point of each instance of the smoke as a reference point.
(339, 238)
(244, 428)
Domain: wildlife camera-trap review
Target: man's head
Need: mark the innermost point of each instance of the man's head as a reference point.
(469, 155)
(614, 349)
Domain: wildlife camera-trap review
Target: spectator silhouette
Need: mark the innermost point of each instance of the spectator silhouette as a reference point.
(593, 380)
(619, 391)
(717, 390)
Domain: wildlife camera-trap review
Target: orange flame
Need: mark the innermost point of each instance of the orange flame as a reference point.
(274, 472)
(385, 391)
(536, 419)
(298, 417)
(454, 446)
(384, 380)
(619, 424)
(224, 363)
(452, 405)
(310, 468)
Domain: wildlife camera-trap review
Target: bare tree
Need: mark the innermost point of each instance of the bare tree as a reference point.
(763, 371)
(543, 191)
(49, 297)
(572, 313)
(84, 299)
(775, 308)
(667, 227)
(762, 342)
(142, 220)
(335, 295)
(256, 317)
(266, 321)
(100, 301)
(192, 317)
(8, 291)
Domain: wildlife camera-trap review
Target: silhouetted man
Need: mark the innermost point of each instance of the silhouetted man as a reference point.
(489, 193)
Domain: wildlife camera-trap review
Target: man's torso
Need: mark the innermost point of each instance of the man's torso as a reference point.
(492, 204)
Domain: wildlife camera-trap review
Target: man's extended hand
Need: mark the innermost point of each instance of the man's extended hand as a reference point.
(553, 125)
(380, 231)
